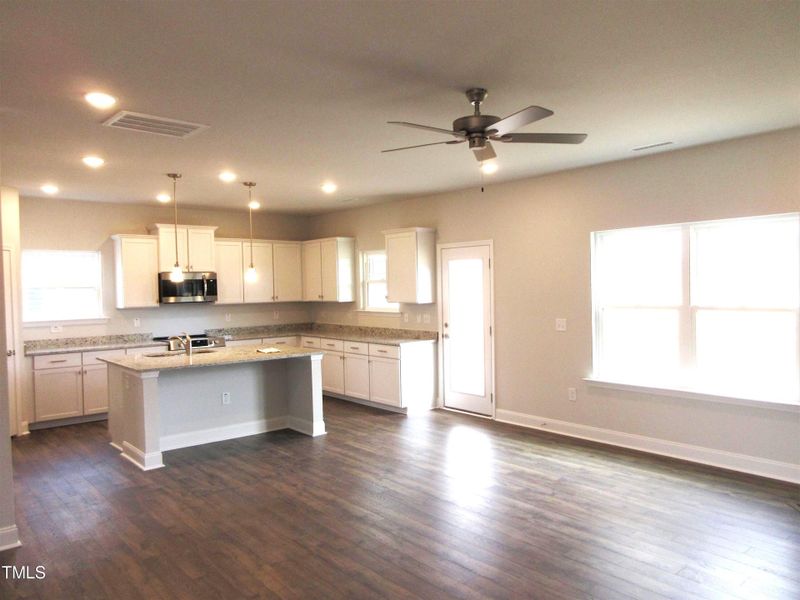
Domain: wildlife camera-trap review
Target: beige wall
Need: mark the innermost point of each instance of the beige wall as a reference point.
(541, 228)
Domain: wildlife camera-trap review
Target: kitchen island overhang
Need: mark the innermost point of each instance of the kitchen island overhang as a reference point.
(160, 403)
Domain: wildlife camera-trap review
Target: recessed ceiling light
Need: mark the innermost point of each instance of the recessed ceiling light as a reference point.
(49, 188)
(329, 187)
(489, 167)
(227, 176)
(94, 162)
(254, 205)
(163, 197)
(100, 100)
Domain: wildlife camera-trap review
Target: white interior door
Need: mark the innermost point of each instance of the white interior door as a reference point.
(468, 372)
(10, 343)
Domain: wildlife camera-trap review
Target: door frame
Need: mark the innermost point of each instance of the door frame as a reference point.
(440, 314)
(17, 425)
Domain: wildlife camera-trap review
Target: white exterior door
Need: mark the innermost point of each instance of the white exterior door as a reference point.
(11, 345)
(468, 372)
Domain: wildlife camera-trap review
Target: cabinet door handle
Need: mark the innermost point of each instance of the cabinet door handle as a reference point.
(58, 361)
(353, 347)
(382, 351)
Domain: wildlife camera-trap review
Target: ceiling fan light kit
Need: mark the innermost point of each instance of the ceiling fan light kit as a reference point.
(480, 130)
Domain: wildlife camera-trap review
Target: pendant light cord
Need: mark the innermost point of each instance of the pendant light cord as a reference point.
(175, 202)
(250, 208)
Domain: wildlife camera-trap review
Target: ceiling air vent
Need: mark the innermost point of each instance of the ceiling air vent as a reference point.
(150, 124)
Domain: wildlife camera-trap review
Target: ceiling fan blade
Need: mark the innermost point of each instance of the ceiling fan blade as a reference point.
(427, 128)
(544, 138)
(422, 145)
(485, 153)
(519, 119)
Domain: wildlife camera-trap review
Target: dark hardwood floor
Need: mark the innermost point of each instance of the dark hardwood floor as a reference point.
(384, 506)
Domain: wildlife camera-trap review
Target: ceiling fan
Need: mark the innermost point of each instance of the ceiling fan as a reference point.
(480, 130)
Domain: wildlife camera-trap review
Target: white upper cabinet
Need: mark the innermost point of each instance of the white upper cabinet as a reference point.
(288, 271)
(195, 247)
(262, 289)
(328, 270)
(136, 270)
(410, 265)
(230, 277)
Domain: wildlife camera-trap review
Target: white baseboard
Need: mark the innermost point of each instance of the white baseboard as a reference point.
(708, 456)
(146, 462)
(9, 538)
(220, 434)
(396, 409)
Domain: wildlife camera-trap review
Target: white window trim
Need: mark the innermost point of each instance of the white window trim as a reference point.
(66, 322)
(687, 319)
(692, 394)
(362, 293)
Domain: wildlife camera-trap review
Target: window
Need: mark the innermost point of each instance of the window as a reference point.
(61, 286)
(373, 283)
(709, 307)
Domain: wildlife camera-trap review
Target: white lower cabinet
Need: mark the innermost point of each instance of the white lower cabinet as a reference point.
(95, 389)
(384, 381)
(58, 393)
(356, 376)
(333, 372)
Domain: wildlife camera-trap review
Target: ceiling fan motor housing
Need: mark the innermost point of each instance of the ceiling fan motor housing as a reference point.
(475, 123)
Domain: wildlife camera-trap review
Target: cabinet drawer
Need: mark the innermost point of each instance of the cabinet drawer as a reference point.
(310, 342)
(235, 343)
(90, 358)
(384, 351)
(356, 347)
(290, 340)
(53, 361)
(333, 345)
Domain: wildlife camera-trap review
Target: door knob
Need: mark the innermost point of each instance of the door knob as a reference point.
(445, 336)
(445, 325)
(10, 352)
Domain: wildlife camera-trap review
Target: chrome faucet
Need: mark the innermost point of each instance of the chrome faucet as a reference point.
(185, 342)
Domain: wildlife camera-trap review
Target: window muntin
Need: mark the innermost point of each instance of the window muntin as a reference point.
(711, 307)
(373, 283)
(61, 285)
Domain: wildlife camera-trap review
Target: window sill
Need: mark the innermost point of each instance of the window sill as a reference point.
(382, 313)
(693, 395)
(67, 322)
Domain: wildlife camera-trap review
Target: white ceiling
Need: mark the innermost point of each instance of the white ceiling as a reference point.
(299, 92)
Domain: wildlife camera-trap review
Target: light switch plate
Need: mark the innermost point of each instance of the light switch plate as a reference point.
(572, 394)
(561, 324)
(227, 317)
(405, 317)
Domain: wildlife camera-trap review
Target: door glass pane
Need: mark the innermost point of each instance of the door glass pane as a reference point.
(750, 353)
(640, 345)
(465, 328)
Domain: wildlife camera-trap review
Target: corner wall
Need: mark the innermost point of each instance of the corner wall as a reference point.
(540, 229)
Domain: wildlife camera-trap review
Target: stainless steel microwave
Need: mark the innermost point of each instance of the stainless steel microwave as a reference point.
(195, 287)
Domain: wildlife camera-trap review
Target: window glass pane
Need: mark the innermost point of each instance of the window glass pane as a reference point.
(467, 349)
(640, 344)
(748, 352)
(376, 266)
(746, 263)
(60, 285)
(638, 267)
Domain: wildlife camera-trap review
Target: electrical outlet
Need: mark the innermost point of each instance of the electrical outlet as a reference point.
(426, 318)
(56, 328)
(405, 317)
(276, 314)
(137, 322)
(227, 317)
(419, 318)
(572, 394)
(561, 324)
(226, 397)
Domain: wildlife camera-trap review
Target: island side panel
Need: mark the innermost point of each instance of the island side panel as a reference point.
(193, 411)
(305, 395)
(141, 415)
(116, 423)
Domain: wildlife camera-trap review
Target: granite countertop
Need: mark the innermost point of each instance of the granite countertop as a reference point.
(142, 363)
(90, 344)
(369, 335)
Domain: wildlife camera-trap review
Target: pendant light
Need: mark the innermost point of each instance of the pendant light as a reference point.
(176, 275)
(251, 275)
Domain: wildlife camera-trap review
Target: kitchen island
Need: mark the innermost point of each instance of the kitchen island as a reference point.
(162, 401)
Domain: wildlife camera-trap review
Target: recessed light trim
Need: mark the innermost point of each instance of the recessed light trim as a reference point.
(329, 187)
(163, 197)
(100, 100)
(649, 146)
(227, 176)
(94, 162)
(49, 188)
